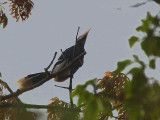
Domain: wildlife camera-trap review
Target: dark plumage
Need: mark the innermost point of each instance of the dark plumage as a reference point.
(64, 59)
(67, 56)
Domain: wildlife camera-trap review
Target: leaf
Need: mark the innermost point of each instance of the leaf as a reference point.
(0, 75)
(54, 99)
(122, 65)
(3, 19)
(132, 41)
(135, 70)
(151, 46)
(91, 111)
(108, 73)
(152, 64)
(145, 27)
(139, 61)
(90, 82)
(136, 57)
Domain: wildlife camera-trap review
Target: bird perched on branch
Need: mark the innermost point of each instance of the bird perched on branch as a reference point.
(65, 58)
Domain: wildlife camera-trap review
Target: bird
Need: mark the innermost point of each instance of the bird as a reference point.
(65, 58)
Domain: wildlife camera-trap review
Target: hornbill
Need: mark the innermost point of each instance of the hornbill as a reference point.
(65, 58)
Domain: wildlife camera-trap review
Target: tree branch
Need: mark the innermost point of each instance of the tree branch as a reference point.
(20, 91)
(70, 90)
(71, 73)
(15, 105)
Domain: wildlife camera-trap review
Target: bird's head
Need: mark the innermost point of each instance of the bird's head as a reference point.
(82, 39)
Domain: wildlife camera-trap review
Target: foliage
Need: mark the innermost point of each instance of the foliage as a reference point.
(107, 95)
(133, 99)
(62, 114)
(92, 104)
(3, 17)
(19, 9)
(142, 97)
(151, 41)
(14, 113)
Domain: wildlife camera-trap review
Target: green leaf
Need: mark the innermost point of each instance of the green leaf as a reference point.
(90, 82)
(91, 111)
(144, 27)
(132, 41)
(151, 46)
(136, 57)
(84, 96)
(135, 70)
(146, 23)
(152, 64)
(139, 61)
(139, 78)
(122, 65)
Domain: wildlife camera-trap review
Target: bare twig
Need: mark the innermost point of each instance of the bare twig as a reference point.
(20, 91)
(76, 41)
(62, 87)
(62, 54)
(70, 91)
(77, 34)
(46, 69)
(71, 73)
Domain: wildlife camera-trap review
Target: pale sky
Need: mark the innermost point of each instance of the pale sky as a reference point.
(28, 47)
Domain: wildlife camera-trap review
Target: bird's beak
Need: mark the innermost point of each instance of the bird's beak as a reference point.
(84, 35)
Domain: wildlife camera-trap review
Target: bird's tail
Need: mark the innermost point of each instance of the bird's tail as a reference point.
(30, 80)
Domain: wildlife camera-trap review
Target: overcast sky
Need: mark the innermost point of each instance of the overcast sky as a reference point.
(28, 47)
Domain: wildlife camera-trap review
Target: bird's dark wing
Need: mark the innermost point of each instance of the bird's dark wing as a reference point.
(36, 77)
(33, 75)
(64, 58)
(67, 54)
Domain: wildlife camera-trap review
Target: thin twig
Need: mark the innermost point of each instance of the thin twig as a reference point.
(46, 69)
(20, 91)
(76, 41)
(70, 91)
(62, 87)
(71, 73)
(77, 34)
(62, 54)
